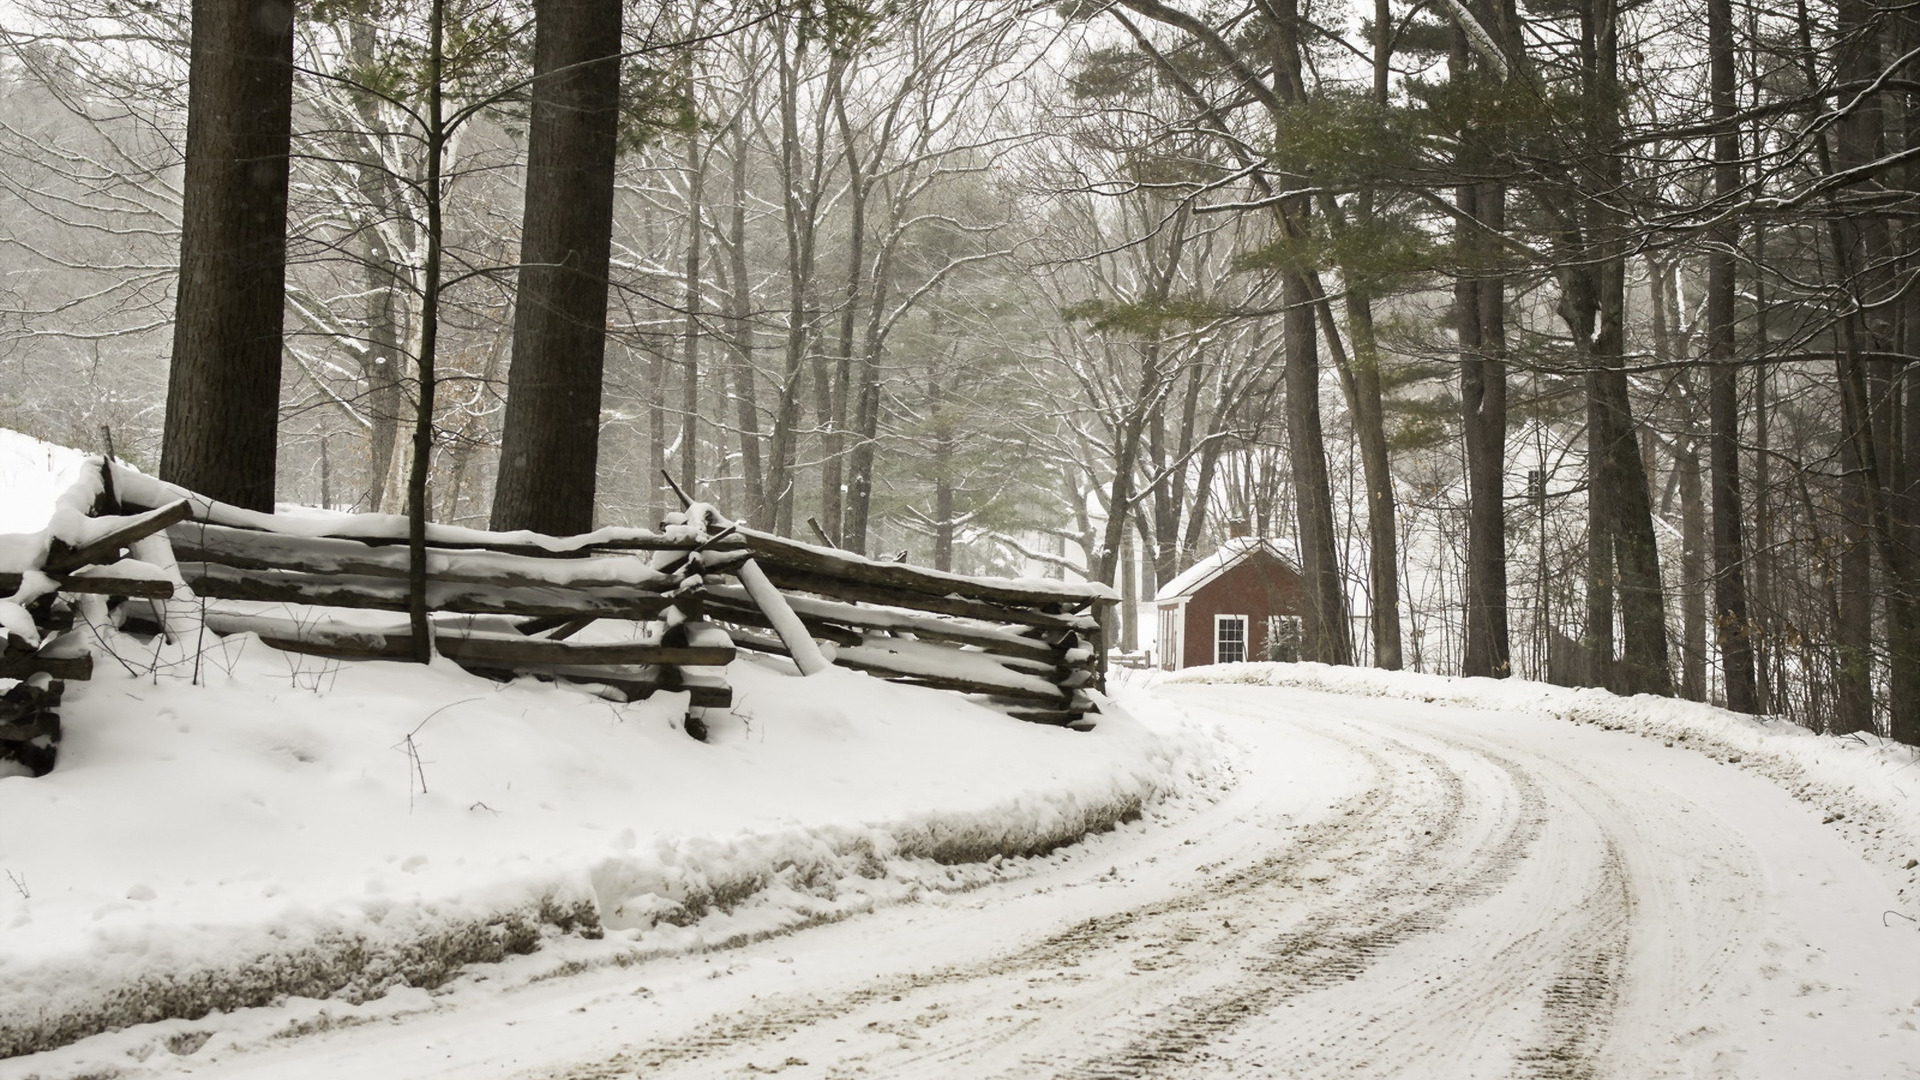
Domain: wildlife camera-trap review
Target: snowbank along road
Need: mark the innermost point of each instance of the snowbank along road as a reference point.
(1386, 889)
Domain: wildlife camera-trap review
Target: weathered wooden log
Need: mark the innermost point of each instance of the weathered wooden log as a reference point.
(44, 689)
(1052, 668)
(1074, 678)
(107, 547)
(845, 589)
(463, 647)
(538, 652)
(100, 581)
(702, 690)
(29, 711)
(818, 613)
(948, 669)
(19, 733)
(794, 555)
(761, 643)
(744, 613)
(217, 581)
(247, 549)
(109, 580)
(56, 657)
(78, 668)
(772, 604)
(892, 667)
(1073, 718)
(21, 720)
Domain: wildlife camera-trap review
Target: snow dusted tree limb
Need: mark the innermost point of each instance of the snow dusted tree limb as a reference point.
(1031, 555)
(1478, 39)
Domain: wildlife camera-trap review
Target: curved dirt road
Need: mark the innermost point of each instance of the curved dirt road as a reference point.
(1388, 890)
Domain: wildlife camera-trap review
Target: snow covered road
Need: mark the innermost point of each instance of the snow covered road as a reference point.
(1389, 888)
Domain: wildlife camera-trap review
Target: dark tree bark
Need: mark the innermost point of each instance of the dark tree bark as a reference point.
(1594, 288)
(866, 413)
(1325, 633)
(740, 334)
(1861, 248)
(833, 463)
(1694, 574)
(550, 443)
(1730, 620)
(1383, 530)
(688, 464)
(1480, 317)
(800, 181)
(1480, 304)
(223, 390)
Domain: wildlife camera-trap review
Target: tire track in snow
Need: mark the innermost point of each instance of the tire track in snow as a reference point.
(1316, 913)
(1508, 887)
(1150, 934)
(1340, 943)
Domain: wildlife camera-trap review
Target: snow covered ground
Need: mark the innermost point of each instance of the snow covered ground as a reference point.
(1382, 875)
(299, 828)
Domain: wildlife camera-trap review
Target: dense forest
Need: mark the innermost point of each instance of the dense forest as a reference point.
(1569, 339)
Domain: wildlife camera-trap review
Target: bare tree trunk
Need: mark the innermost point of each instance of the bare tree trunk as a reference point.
(1644, 666)
(757, 512)
(833, 464)
(1327, 636)
(1730, 620)
(550, 442)
(659, 503)
(1597, 642)
(382, 365)
(1761, 622)
(223, 389)
(1383, 528)
(942, 474)
(1481, 302)
(1860, 253)
(1693, 573)
(688, 465)
(866, 419)
(1854, 634)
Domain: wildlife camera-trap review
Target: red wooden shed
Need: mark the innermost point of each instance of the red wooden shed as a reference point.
(1243, 602)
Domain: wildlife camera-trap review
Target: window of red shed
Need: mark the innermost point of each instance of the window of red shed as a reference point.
(1229, 639)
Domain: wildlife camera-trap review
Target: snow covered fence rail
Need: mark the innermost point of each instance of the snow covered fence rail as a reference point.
(1034, 647)
(506, 603)
(78, 554)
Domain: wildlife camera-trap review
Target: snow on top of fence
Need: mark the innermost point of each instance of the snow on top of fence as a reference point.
(305, 521)
(45, 491)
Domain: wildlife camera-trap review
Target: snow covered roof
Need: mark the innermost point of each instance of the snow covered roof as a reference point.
(1231, 553)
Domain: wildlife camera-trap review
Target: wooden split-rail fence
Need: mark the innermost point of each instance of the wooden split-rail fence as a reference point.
(632, 611)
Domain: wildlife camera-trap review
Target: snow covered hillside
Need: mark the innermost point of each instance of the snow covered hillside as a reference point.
(231, 826)
(292, 827)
